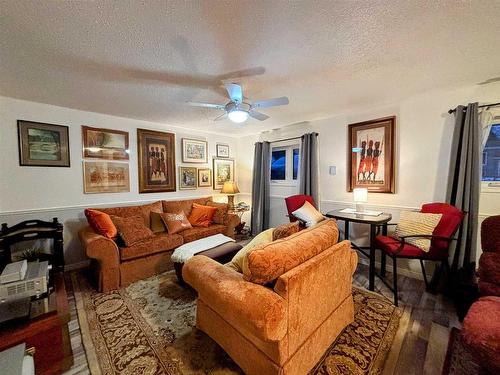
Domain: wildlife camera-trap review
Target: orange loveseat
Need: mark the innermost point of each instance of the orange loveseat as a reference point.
(117, 266)
(282, 327)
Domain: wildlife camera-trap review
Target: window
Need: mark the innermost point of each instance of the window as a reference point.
(491, 156)
(285, 164)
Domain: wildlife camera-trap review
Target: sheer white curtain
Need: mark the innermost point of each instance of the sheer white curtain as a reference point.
(486, 119)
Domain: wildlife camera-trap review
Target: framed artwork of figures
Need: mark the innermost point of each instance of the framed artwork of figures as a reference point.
(187, 178)
(156, 161)
(223, 171)
(102, 143)
(105, 177)
(371, 155)
(43, 145)
(194, 151)
(222, 150)
(204, 177)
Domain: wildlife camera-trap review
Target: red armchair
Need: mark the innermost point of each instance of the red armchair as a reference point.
(295, 202)
(481, 327)
(440, 243)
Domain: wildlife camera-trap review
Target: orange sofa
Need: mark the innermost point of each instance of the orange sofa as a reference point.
(117, 266)
(282, 327)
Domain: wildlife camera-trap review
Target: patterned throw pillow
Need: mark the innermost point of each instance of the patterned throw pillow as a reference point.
(308, 214)
(412, 223)
(132, 229)
(221, 215)
(285, 230)
(157, 225)
(176, 222)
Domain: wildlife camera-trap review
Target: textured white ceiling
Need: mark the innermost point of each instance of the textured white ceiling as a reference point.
(145, 59)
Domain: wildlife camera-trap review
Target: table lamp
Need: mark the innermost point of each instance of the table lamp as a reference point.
(230, 188)
(360, 197)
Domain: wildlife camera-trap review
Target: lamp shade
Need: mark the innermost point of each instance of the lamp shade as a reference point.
(360, 195)
(230, 187)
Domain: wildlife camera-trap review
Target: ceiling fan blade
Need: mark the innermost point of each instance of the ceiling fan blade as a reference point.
(221, 117)
(207, 105)
(243, 73)
(270, 102)
(235, 92)
(258, 116)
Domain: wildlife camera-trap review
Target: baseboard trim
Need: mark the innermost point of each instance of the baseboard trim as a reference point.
(401, 271)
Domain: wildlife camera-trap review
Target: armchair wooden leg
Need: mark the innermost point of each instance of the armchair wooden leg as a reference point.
(395, 279)
(383, 262)
(424, 274)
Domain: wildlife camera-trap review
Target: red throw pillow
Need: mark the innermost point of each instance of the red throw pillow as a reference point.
(101, 223)
(201, 216)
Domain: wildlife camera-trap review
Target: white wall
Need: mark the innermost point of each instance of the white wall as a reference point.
(423, 141)
(46, 192)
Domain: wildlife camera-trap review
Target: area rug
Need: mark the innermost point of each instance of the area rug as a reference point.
(458, 360)
(149, 328)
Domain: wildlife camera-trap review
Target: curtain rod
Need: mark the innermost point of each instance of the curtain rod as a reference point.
(480, 106)
(288, 139)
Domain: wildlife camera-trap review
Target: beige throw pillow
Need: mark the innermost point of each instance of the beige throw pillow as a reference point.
(308, 214)
(262, 238)
(412, 223)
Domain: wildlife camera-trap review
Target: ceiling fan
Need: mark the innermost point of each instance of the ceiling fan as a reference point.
(238, 110)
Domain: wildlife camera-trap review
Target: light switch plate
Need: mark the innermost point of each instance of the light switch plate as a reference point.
(332, 170)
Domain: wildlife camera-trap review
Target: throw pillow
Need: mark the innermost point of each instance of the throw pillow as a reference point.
(201, 216)
(132, 229)
(308, 214)
(157, 225)
(285, 230)
(411, 223)
(101, 223)
(262, 238)
(221, 215)
(176, 222)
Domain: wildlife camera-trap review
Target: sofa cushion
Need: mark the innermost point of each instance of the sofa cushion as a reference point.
(157, 224)
(221, 215)
(308, 214)
(131, 229)
(101, 223)
(156, 244)
(262, 238)
(184, 205)
(175, 222)
(285, 230)
(414, 223)
(127, 211)
(201, 232)
(489, 267)
(201, 216)
(267, 262)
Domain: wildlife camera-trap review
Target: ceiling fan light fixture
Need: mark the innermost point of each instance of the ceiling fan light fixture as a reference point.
(238, 116)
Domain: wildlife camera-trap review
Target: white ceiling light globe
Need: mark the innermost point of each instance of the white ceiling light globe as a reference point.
(238, 116)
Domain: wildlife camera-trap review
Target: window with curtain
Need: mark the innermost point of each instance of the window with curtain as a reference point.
(491, 155)
(285, 164)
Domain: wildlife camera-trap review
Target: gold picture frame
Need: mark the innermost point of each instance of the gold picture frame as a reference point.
(223, 171)
(188, 178)
(100, 143)
(204, 177)
(105, 177)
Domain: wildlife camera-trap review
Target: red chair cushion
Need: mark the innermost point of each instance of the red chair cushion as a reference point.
(481, 332)
(490, 234)
(295, 202)
(390, 245)
(448, 225)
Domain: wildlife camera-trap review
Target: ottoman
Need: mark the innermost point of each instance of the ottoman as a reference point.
(222, 253)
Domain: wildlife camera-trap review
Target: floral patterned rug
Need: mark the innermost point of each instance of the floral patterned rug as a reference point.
(149, 328)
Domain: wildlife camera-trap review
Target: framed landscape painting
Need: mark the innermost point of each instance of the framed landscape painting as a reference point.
(156, 161)
(371, 155)
(187, 178)
(223, 171)
(43, 145)
(194, 151)
(204, 177)
(105, 177)
(105, 143)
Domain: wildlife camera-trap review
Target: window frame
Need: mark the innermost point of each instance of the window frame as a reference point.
(489, 186)
(288, 146)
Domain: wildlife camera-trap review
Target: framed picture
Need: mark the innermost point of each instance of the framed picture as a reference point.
(43, 145)
(223, 171)
(371, 155)
(194, 151)
(204, 177)
(222, 150)
(188, 178)
(105, 177)
(105, 143)
(156, 161)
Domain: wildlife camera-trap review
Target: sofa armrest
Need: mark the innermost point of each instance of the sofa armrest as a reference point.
(248, 307)
(98, 247)
(232, 222)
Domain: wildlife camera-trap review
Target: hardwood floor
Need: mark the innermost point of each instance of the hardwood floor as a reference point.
(425, 341)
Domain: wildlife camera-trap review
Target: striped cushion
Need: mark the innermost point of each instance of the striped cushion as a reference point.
(411, 223)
